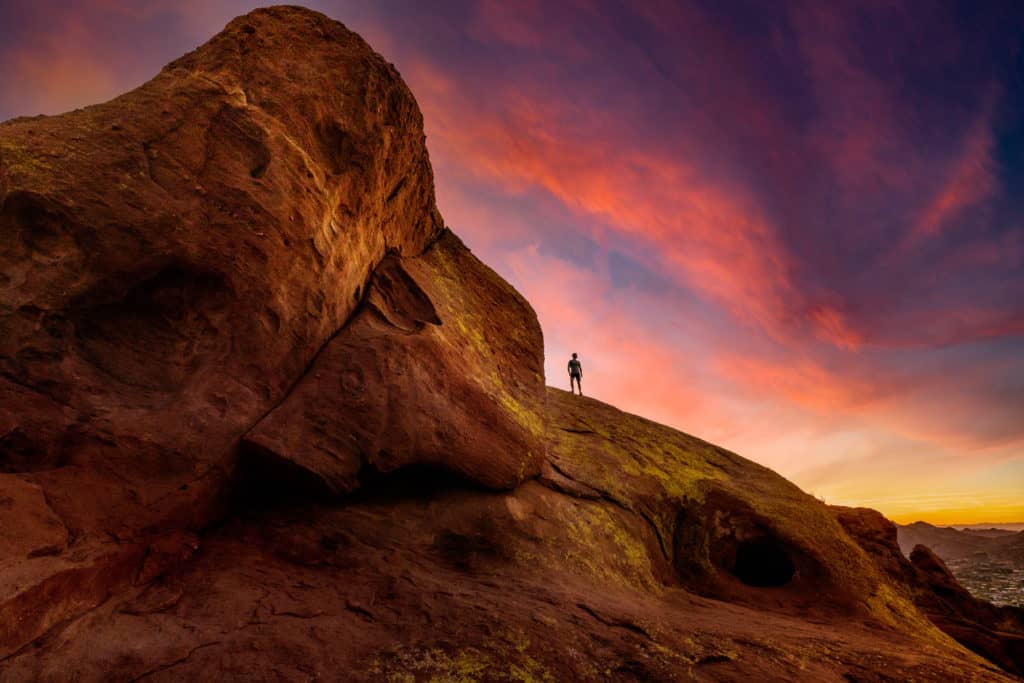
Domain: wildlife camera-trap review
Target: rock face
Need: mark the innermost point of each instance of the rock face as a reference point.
(262, 417)
(442, 366)
(172, 260)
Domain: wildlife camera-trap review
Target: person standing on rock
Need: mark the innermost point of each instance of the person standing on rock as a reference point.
(575, 374)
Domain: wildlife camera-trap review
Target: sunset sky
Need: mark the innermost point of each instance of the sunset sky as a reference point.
(793, 229)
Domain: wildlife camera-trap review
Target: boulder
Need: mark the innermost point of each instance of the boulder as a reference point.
(171, 262)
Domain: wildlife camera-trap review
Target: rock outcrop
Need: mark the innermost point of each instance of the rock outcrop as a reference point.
(996, 633)
(263, 417)
(172, 262)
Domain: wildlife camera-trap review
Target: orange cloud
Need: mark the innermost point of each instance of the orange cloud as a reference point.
(921, 405)
(801, 381)
(832, 326)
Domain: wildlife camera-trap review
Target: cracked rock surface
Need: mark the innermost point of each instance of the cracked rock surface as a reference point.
(263, 418)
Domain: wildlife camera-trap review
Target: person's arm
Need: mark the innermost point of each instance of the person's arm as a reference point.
(569, 368)
(581, 370)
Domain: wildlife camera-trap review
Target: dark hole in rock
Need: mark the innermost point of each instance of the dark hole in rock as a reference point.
(265, 479)
(340, 148)
(260, 169)
(763, 562)
(335, 139)
(25, 217)
(417, 482)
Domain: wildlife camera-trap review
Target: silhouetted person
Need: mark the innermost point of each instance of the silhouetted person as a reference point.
(575, 374)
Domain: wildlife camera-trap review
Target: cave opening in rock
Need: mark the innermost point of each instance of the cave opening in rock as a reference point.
(267, 480)
(416, 481)
(763, 562)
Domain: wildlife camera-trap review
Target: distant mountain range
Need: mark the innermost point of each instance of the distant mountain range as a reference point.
(954, 544)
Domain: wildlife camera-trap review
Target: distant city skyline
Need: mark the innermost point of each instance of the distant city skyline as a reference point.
(985, 525)
(792, 229)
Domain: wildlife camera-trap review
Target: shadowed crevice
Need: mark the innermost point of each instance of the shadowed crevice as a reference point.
(763, 562)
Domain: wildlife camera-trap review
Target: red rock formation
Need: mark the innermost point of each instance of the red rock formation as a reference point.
(418, 576)
(263, 418)
(996, 633)
(172, 261)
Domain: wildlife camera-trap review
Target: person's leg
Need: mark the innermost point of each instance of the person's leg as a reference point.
(579, 384)
(572, 387)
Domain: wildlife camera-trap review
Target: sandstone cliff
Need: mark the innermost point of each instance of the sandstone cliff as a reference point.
(263, 417)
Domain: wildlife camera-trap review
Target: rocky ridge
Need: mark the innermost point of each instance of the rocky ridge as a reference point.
(995, 632)
(954, 544)
(263, 417)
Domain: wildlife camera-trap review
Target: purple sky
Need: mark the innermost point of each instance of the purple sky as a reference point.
(795, 229)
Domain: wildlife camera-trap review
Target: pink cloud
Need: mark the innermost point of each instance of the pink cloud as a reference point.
(715, 236)
(638, 370)
(60, 72)
(970, 182)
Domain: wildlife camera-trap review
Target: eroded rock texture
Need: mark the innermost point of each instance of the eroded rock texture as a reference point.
(172, 260)
(443, 366)
(263, 418)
